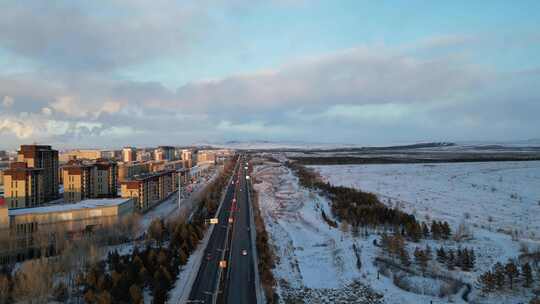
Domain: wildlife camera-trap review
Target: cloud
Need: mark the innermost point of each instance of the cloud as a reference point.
(73, 93)
(91, 36)
(7, 101)
(18, 127)
(319, 97)
(356, 77)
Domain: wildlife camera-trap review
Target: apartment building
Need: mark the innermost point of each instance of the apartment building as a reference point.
(84, 180)
(206, 157)
(129, 154)
(144, 155)
(164, 153)
(128, 170)
(80, 154)
(149, 189)
(42, 157)
(24, 186)
(188, 158)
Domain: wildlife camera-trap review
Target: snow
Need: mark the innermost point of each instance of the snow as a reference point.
(491, 199)
(312, 255)
(500, 196)
(315, 261)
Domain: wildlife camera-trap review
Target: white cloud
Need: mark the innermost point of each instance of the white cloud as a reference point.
(69, 105)
(19, 127)
(7, 101)
(46, 111)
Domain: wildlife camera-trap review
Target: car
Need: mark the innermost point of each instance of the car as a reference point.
(208, 256)
(244, 252)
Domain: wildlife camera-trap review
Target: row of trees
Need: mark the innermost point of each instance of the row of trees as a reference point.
(506, 276)
(460, 258)
(122, 279)
(394, 246)
(359, 208)
(439, 230)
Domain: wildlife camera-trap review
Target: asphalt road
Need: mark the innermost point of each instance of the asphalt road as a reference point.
(204, 287)
(239, 284)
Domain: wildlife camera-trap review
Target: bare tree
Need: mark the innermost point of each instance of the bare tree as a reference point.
(4, 289)
(33, 282)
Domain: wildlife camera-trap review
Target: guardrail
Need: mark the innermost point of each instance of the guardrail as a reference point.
(259, 294)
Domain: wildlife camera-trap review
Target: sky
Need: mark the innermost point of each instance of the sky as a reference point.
(144, 73)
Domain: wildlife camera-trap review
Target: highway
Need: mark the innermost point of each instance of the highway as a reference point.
(235, 283)
(239, 283)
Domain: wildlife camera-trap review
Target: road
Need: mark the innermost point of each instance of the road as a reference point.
(203, 289)
(239, 283)
(236, 281)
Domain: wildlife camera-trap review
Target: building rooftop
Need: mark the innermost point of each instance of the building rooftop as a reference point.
(86, 204)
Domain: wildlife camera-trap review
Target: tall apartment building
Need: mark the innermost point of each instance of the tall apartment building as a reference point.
(44, 157)
(33, 178)
(89, 180)
(129, 154)
(187, 158)
(24, 187)
(150, 189)
(164, 153)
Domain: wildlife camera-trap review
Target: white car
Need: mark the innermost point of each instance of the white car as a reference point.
(244, 252)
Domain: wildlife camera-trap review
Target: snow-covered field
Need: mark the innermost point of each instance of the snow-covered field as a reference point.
(496, 195)
(494, 200)
(317, 263)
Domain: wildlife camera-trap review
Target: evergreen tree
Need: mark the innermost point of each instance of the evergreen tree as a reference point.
(499, 272)
(487, 281)
(435, 230)
(421, 259)
(472, 258)
(446, 232)
(425, 230)
(459, 258)
(404, 257)
(441, 255)
(451, 260)
(511, 272)
(467, 260)
(526, 271)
